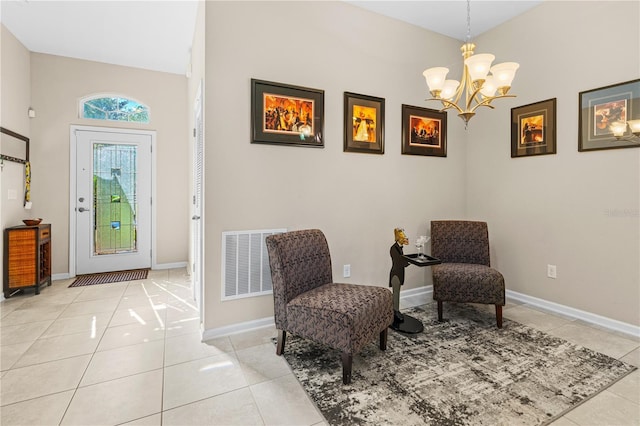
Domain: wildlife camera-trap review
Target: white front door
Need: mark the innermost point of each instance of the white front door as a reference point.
(113, 200)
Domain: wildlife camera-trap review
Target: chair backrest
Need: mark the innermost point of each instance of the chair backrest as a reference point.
(460, 241)
(300, 261)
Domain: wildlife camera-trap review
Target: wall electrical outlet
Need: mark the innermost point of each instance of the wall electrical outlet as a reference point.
(346, 272)
(551, 271)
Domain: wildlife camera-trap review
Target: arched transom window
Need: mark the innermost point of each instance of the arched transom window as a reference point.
(114, 108)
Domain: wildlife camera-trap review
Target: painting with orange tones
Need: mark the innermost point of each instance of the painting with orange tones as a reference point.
(424, 131)
(533, 129)
(363, 123)
(282, 114)
(606, 113)
(287, 114)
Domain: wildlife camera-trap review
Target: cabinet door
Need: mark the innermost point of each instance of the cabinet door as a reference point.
(22, 257)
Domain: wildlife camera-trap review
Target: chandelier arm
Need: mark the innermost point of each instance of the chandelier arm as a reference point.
(449, 104)
(503, 96)
(487, 101)
(474, 97)
(484, 104)
(459, 91)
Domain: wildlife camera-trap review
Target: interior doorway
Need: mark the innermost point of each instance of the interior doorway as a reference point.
(198, 208)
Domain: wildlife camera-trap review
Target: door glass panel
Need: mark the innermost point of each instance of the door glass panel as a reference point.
(114, 198)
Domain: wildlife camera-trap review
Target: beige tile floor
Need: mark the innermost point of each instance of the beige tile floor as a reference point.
(130, 353)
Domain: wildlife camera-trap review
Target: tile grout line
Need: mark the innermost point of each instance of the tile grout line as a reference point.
(75, 391)
(164, 360)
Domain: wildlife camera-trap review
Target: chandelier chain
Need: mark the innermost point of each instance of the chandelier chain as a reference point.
(468, 21)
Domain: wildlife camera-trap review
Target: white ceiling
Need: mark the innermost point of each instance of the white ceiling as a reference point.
(157, 35)
(450, 17)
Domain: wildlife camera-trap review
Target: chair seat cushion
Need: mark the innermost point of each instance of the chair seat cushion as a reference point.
(466, 282)
(342, 316)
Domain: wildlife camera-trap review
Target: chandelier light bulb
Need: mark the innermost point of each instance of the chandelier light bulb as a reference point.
(504, 73)
(435, 77)
(449, 89)
(634, 125)
(489, 87)
(618, 128)
(479, 65)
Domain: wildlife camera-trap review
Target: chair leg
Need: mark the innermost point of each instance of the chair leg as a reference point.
(282, 337)
(440, 310)
(347, 361)
(383, 339)
(499, 315)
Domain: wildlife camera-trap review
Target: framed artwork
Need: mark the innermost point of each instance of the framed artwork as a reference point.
(282, 114)
(424, 131)
(363, 123)
(602, 108)
(533, 129)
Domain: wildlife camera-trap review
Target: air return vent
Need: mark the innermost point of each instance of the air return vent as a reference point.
(245, 263)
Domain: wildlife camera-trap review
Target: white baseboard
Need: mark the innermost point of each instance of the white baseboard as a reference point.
(64, 276)
(174, 265)
(427, 292)
(240, 327)
(419, 291)
(595, 319)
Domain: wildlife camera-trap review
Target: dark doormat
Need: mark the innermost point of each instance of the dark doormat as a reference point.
(110, 277)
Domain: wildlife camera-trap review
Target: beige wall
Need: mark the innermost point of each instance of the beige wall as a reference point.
(16, 85)
(15, 95)
(577, 210)
(356, 199)
(57, 84)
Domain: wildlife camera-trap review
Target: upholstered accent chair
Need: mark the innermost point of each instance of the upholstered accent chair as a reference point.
(309, 304)
(465, 274)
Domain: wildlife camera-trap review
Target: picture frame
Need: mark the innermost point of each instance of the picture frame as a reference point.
(533, 129)
(283, 114)
(599, 108)
(363, 123)
(424, 131)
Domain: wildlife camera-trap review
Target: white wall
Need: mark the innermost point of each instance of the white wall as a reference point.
(15, 95)
(356, 199)
(57, 84)
(560, 209)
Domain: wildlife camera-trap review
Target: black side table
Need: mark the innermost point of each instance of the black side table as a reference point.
(406, 323)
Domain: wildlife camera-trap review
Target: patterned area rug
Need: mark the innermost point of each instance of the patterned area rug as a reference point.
(110, 277)
(463, 371)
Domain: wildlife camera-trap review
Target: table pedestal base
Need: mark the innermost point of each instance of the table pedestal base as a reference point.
(407, 324)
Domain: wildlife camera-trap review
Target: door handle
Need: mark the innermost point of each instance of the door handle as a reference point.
(195, 217)
(82, 209)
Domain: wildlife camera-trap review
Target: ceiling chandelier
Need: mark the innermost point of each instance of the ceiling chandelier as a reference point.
(479, 87)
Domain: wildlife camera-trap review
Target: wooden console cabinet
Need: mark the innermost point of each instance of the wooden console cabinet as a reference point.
(27, 258)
